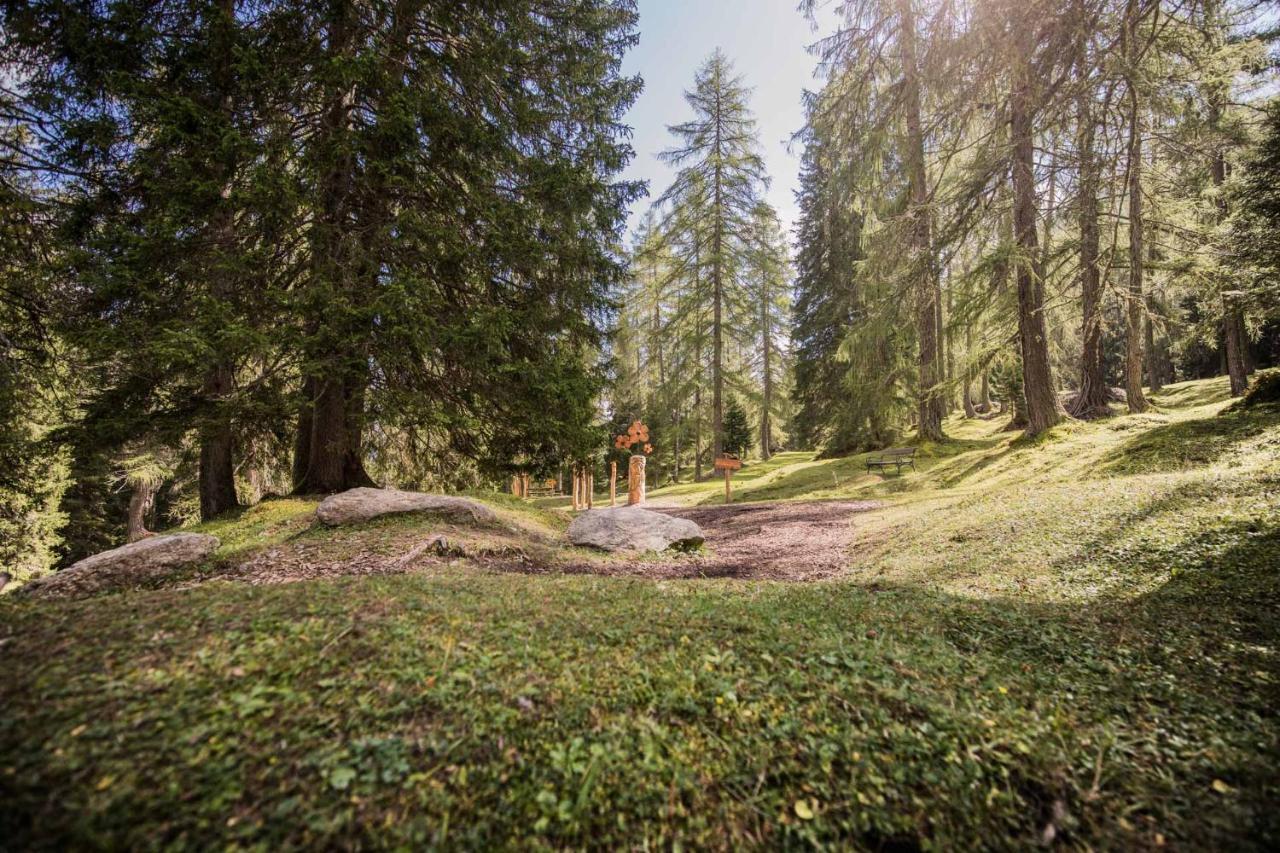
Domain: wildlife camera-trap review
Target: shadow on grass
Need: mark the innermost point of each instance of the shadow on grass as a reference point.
(1191, 443)
(848, 475)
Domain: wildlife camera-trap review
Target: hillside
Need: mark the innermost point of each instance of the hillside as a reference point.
(1074, 640)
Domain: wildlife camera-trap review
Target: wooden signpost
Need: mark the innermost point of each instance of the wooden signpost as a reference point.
(728, 463)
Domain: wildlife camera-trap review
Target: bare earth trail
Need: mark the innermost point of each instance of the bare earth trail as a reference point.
(796, 541)
(787, 541)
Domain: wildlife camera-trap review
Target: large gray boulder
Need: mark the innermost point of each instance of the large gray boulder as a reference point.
(633, 528)
(356, 505)
(126, 566)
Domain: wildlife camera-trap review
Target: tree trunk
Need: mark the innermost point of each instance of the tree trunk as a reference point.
(217, 483)
(302, 438)
(969, 410)
(717, 341)
(1043, 407)
(140, 503)
(335, 463)
(929, 420)
(217, 465)
(1235, 341)
(1155, 358)
(1134, 302)
(1094, 394)
(766, 428)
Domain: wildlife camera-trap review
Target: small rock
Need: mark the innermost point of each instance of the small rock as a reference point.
(633, 528)
(126, 566)
(357, 505)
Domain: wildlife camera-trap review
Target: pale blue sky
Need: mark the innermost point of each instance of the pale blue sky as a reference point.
(766, 39)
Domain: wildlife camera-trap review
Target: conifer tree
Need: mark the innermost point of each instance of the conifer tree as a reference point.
(737, 432)
(721, 172)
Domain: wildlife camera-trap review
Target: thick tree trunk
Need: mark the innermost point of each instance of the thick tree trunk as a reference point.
(140, 503)
(217, 484)
(217, 460)
(342, 265)
(335, 462)
(1043, 407)
(927, 299)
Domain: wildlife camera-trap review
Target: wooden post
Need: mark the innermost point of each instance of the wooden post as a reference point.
(635, 481)
(613, 484)
(728, 492)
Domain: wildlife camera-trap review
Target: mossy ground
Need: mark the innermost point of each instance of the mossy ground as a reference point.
(1075, 637)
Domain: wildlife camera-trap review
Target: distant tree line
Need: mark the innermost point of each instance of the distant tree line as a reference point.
(703, 328)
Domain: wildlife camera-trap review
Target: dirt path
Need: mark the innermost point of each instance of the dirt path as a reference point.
(793, 541)
(799, 541)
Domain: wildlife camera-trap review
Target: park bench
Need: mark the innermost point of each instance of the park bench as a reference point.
(897, 456)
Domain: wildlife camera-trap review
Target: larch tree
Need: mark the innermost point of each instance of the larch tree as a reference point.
(717, 155)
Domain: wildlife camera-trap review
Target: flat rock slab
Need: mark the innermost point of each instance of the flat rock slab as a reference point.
(633, 528)
(126, 566)
(357, 505)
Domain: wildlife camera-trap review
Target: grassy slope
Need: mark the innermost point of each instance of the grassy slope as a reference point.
(1080, 633)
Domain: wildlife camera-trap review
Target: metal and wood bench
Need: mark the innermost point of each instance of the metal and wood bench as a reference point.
(896, 456)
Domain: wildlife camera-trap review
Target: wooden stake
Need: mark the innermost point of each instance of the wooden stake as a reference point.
(728, 493)
(613, 484)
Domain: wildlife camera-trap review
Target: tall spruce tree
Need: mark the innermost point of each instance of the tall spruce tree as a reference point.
(476, 187)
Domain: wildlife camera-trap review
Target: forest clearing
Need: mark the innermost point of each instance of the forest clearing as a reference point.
(1073, 638)
(640, 424)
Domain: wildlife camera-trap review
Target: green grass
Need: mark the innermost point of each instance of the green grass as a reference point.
(1077, 635)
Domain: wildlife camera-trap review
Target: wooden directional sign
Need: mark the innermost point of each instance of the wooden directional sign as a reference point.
(728, 462)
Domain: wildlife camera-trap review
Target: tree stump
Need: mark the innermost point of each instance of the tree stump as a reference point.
(635, 481)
